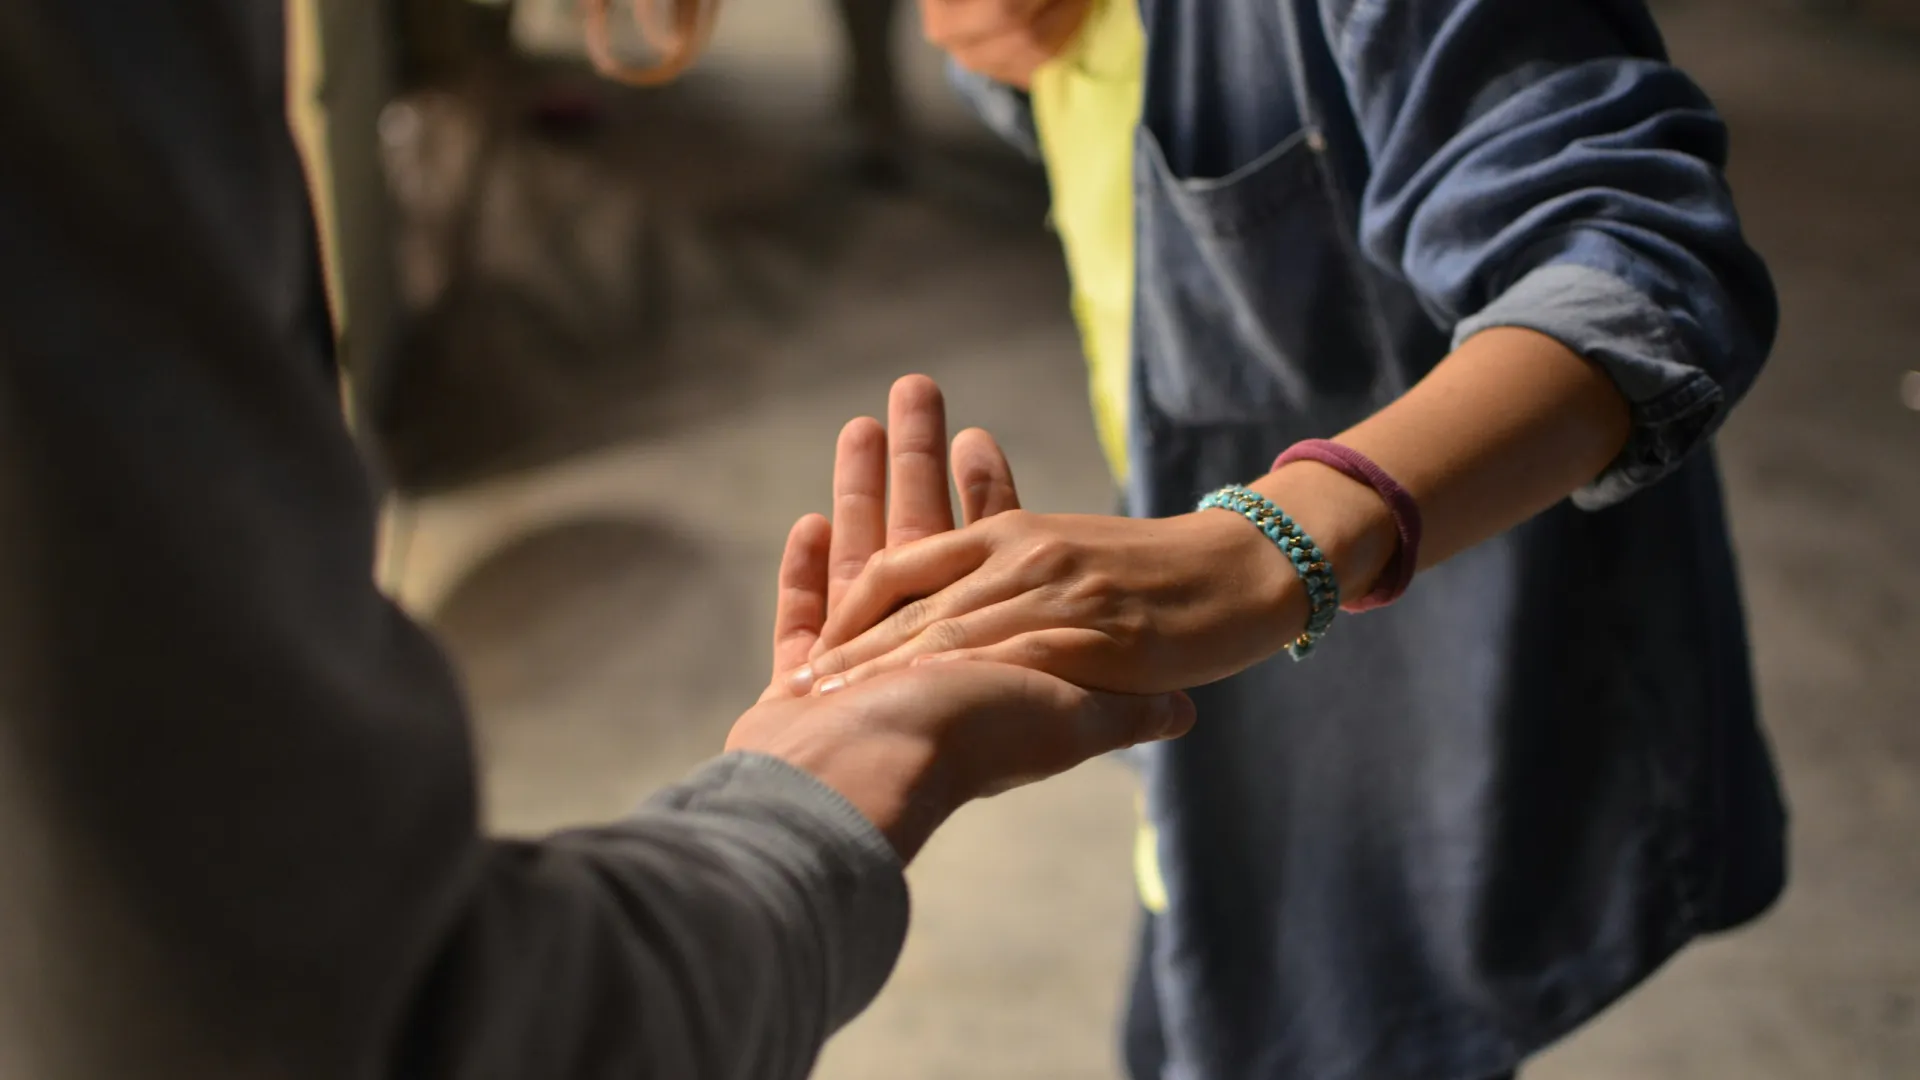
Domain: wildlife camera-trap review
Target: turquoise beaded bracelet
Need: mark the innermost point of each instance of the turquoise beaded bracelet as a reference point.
(1323, 592)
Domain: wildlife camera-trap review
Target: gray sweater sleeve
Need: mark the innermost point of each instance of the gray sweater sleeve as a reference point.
(724, 931)
(236, 784)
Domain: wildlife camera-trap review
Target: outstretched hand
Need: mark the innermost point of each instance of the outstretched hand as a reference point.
(910, 455)
(909, 748)
(1111, 603)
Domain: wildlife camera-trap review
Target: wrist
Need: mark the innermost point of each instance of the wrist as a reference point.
(890, 786)
(1352, 525)
(1260, 602)
(893, 780)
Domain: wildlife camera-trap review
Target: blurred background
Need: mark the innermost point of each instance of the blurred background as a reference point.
(601, 341)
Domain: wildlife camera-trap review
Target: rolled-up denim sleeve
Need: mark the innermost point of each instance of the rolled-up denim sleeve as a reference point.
(1543, 166)
(1006, 111)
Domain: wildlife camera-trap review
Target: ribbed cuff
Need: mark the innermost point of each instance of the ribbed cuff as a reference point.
(864, 891)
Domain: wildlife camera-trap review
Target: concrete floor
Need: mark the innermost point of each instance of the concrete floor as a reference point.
(601, 526)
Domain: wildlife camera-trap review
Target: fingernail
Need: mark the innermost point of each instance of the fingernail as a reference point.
(802, 680)
(832, 684)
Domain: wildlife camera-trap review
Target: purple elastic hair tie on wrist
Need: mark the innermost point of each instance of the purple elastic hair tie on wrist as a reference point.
(1359, 468)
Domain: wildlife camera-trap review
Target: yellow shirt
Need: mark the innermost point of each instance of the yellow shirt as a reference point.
(1086, 105)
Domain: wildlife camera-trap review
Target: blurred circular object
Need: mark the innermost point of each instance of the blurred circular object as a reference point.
(1910, 390)
(399, 125)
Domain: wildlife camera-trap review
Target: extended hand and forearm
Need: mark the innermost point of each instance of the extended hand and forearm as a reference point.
(1542, 168)
(1509, 424)
(1550, 189)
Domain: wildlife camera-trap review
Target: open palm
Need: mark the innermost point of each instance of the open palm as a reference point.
(908, 457)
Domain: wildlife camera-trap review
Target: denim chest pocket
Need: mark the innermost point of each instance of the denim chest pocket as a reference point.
(1248, 303)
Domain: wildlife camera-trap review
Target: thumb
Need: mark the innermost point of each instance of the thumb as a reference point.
(1112, 722)
(1102, 723)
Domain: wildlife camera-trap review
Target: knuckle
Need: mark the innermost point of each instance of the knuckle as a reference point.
(1089, 599)
(1044, 556)
(1015, 524)
(882, 565)
(946, 635)
(1094, 586)
(915, 614)
(1036, 655)
(916, 448)
(1128, 626)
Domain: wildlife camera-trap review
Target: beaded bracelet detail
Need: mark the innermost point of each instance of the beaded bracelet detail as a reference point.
(1323, 591)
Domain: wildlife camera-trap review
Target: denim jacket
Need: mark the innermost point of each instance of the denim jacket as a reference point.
(1477, 817)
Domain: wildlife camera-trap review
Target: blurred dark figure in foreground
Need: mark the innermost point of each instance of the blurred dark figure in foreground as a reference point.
(238, 782)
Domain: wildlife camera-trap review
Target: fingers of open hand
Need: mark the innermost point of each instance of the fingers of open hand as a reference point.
(899, 575)
(918, 505)
(982, 476)
(919, 631)
(1030, 631)
(1080, 655)
(859, 503)
(905, 594)
(940, 589)
(800, 608)
(1039, 726)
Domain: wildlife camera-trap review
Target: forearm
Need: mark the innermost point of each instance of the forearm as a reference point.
(1543, 166)
(720, 933)
(1509, 424)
